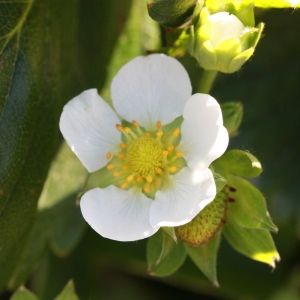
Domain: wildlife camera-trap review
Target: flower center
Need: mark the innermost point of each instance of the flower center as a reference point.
(146, 160)
(144, 156)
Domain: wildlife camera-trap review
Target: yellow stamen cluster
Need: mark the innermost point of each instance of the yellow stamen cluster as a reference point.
(146, 159)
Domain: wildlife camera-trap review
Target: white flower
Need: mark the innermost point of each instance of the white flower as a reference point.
(158, 163)
(225, 26)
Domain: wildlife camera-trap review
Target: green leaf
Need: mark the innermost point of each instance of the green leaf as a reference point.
(171, 13)
(64, 225)
(60, 226)
(45, 60)
(274, 3)
(23, 294)
(205, 257)
(249, 207)
(66, 176)
(63, 221)
(232, 116)
(164, 256)
(32, 92)
(254, 243)
(240, 163)
(59, 221)
(34, 249)
(68, 293)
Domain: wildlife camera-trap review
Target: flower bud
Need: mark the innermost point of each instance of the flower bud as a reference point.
(221, 42)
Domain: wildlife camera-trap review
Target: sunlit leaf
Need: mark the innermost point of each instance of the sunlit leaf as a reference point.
(275, 3)
(254, 243)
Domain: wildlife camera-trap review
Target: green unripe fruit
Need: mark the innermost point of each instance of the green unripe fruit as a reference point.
(207, 223)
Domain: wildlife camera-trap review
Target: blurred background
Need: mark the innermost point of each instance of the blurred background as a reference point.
(65, 48)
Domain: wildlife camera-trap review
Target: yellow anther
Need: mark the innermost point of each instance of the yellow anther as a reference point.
(119, 127)
(127, 129)
(135, 124)
(165, 153)
(110, 166)
(116, 174)
(147, 189)
(159, 133)
(176, 132)
(173, 169)
(170, 148)
(148, 135)
(158, 124)
(125, 167)
(139, 179)
(108, 155)
(149, 178)
(157, 182)
(179, 154)
(124, 185)
(123, 145)
(158, 171)
(121, 155)
(129, 178)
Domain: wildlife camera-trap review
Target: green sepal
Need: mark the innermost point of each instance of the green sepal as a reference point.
(205, 257)
(232, 116)
(23, 294)
(171, 232)
(68, 293)
(101, 178)
(239, 60)
(254, 243)
(257, 34)
(206, 56)
(225, 52)
(219, 180)
(171, 13)
(240, 163)
(249, 207)
(164, 256)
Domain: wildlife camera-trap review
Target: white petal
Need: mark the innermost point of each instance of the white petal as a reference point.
(117, 214)
(225, 26)
(88, 124)
(203, 136)
(180, 202)
(150, 89)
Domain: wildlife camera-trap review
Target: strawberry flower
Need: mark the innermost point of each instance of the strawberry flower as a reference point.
(154, 147)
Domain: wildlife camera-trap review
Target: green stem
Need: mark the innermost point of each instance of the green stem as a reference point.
(207, 81)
